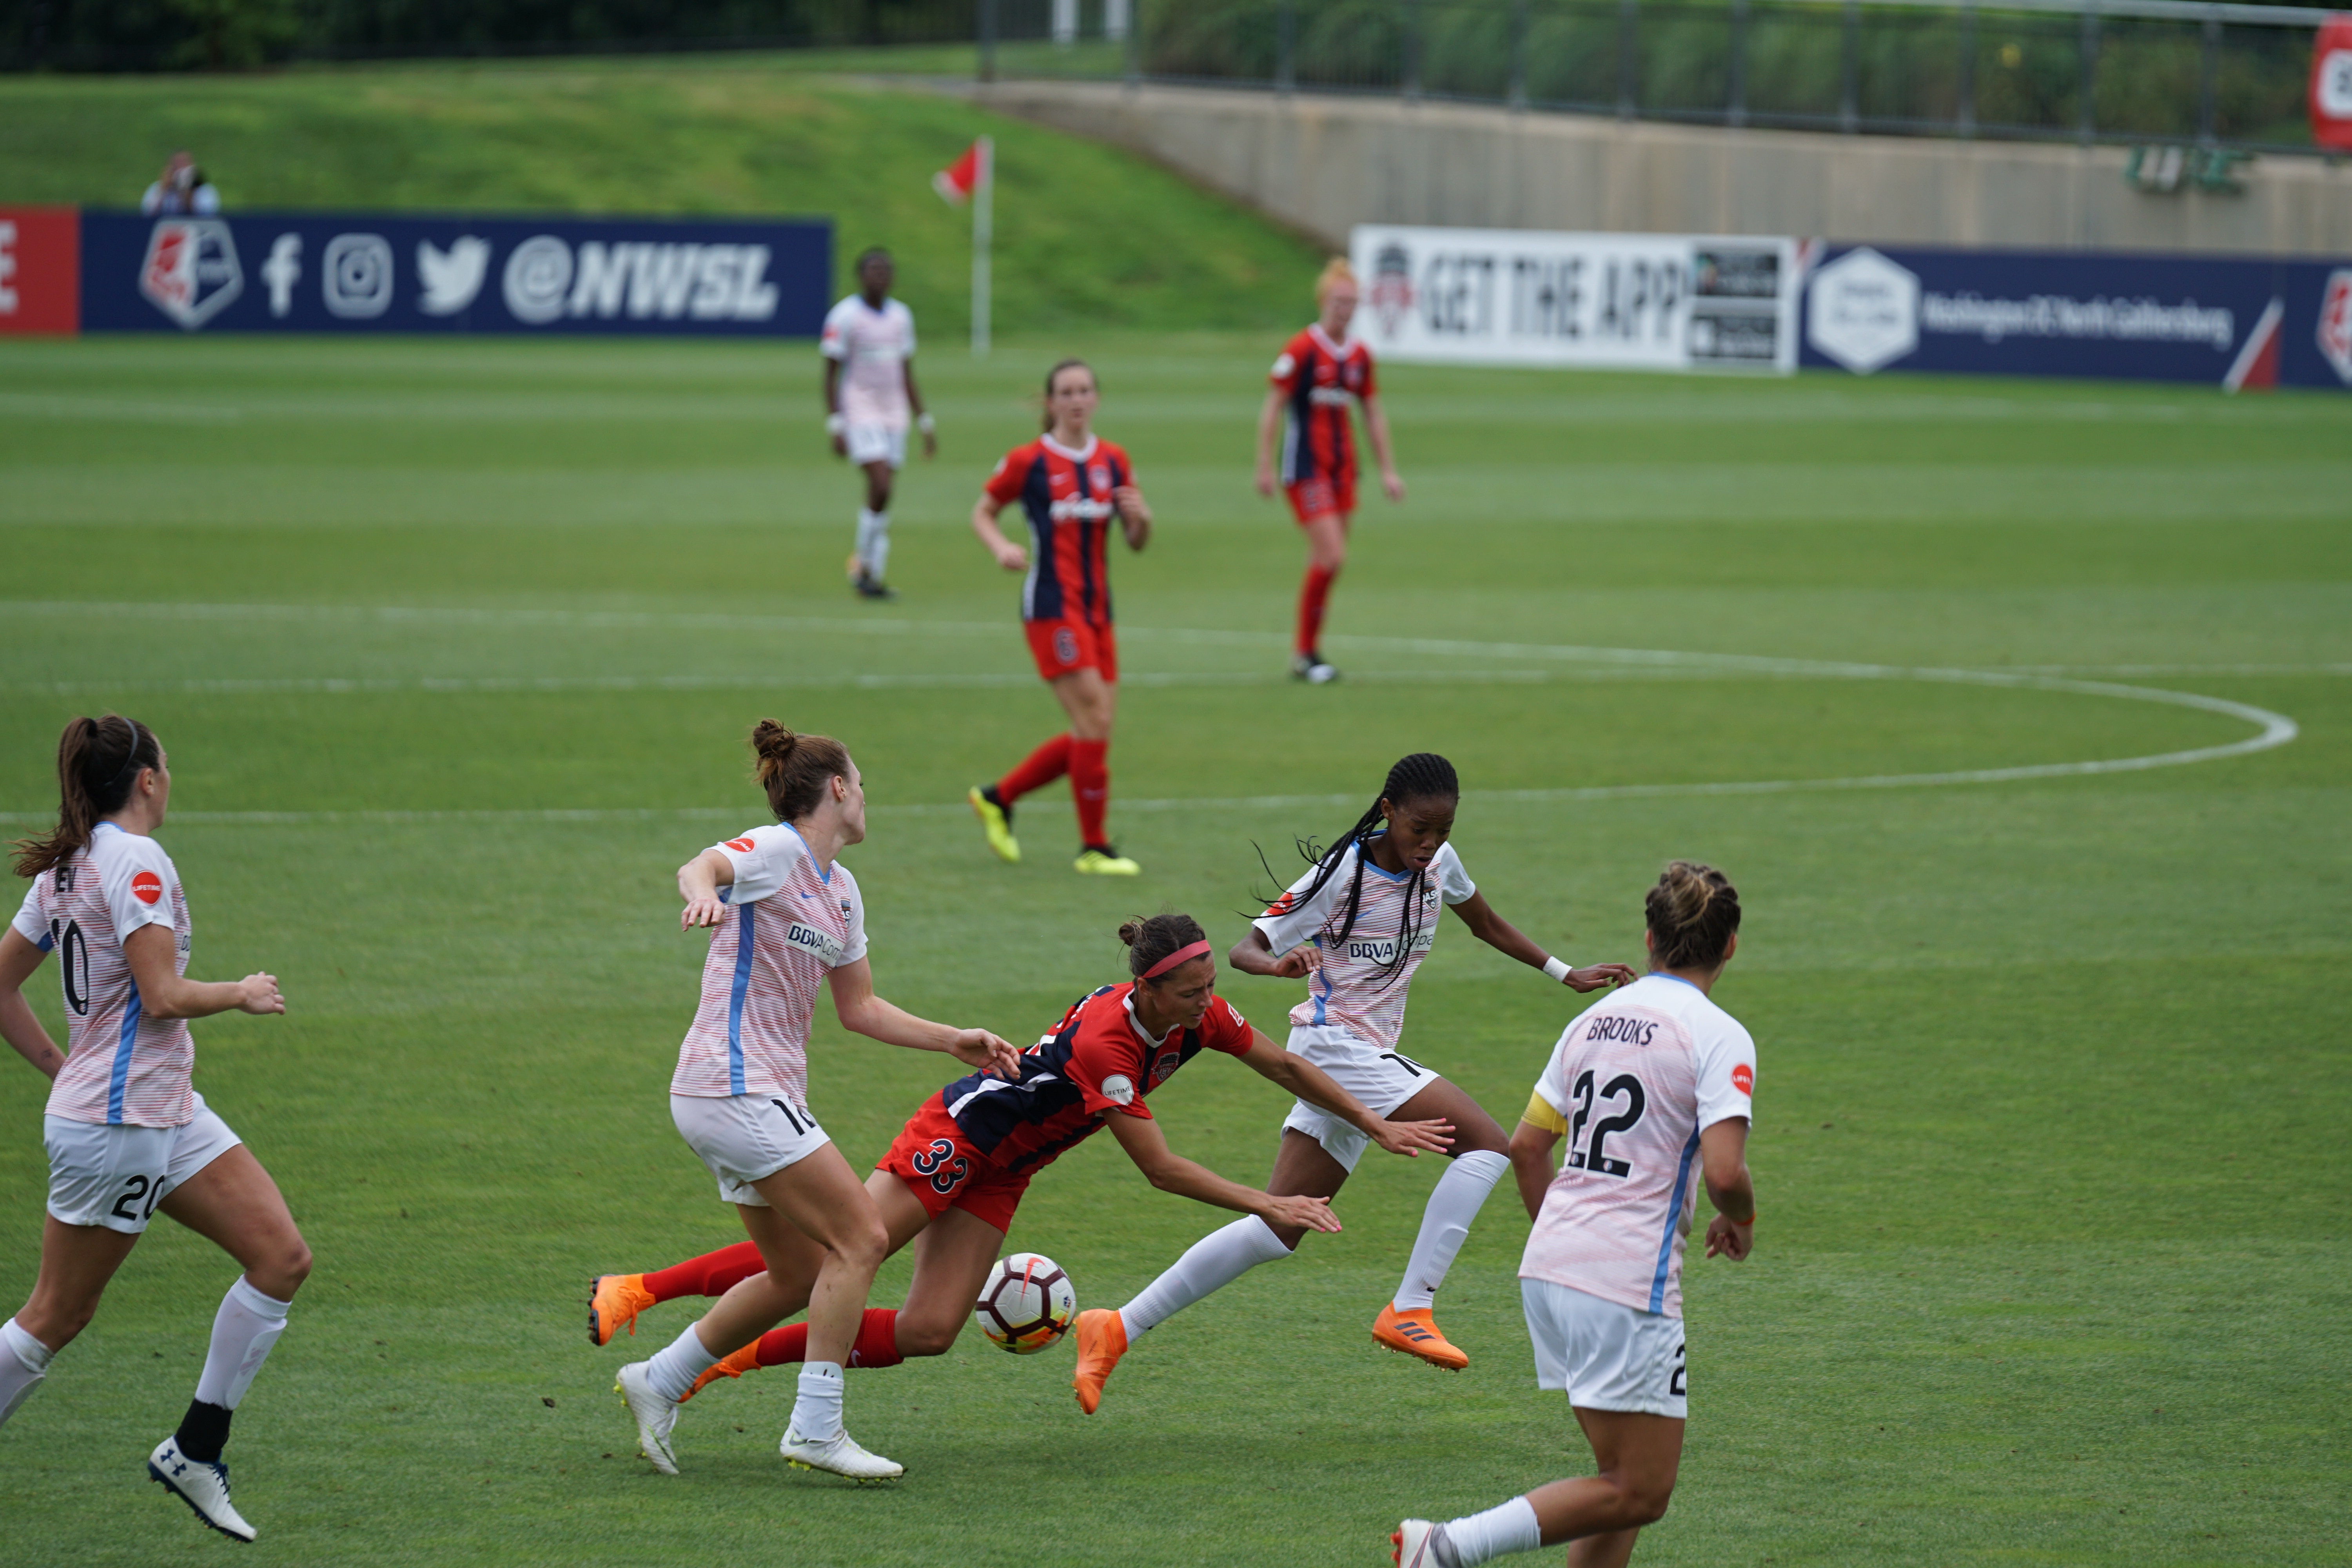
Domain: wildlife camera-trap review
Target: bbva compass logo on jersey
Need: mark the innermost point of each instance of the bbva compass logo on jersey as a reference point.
(191, 272)
(822, 945)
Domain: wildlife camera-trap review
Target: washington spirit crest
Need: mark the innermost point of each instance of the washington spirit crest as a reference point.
(1391, 287)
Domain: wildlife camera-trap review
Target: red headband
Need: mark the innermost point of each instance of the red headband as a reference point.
(1182, 955)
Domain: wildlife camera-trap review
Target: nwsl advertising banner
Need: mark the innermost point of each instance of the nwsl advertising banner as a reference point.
(324, 272)
(2227, 323)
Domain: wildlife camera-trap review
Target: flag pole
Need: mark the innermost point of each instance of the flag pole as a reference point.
(982, 235)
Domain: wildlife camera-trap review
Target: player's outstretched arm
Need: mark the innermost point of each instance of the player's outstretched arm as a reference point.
(699, 881)
(1507, 939)
(1171, 1172)
(1376, 426)
(1531, 1165)
(1310, 1083)
(863, 1013)
(150, 951)
(1009, 555)
(1723, 1160)
(19, 1026)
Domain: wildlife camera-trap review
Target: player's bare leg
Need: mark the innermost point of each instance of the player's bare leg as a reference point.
(1327, 552)
(1477, 1160)
(1603, 1515)
(953, 1258)
(1092, 704)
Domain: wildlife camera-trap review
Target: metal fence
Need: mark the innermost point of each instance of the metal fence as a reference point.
(2168, 72)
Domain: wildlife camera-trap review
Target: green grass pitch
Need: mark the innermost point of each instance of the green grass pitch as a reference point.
(455, 644)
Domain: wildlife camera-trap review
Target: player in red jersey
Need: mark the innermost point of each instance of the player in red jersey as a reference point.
(955, 1174)
(1319, 371)
(1071, 483)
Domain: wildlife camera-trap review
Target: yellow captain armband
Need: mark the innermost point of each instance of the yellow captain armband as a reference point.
(1539, 1113)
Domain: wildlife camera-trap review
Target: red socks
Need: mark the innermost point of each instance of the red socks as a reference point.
(1311, 594)
(878, 1341)
(1042, 767)
(1090, 787)
(708, 1274)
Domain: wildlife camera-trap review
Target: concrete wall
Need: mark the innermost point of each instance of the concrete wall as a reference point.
(1325, 164)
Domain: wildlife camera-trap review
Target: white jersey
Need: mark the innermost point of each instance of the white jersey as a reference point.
(1634, 1082)
(122, 1068)
(786, 924)
(873, 347)
(1347, 987)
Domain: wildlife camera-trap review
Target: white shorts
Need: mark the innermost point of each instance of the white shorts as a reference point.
(1381, 1080)
(1605, 1354)
(116, 1175)
(746, 1138)
(875, 444)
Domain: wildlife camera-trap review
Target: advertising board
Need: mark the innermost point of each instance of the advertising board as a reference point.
(39, 269)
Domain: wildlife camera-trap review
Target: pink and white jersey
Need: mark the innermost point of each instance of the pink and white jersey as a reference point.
(786, 924)
(873, 347)
(1348, 988)
(1635, 1081)
(121, 1067)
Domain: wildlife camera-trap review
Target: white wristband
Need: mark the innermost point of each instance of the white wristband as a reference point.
(1556, 968)
(834, 424)
(923, 423)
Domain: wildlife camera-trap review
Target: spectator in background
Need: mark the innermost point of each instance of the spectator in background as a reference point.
(181, 189)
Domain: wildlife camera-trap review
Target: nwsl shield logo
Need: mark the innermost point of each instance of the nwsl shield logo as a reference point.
(1392, 288)
(191, 272)
(2335, 323)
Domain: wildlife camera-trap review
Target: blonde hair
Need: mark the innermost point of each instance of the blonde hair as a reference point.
(1335, 272)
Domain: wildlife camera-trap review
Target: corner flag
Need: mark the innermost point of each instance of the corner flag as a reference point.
(973, 177)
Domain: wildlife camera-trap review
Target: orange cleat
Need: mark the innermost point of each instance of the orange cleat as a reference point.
(1102, 1340)
(614, 1302)
(1415, 1334)
(734, 1364)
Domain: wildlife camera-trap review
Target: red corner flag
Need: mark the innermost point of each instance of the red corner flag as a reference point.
(955, 182)
(972, 178)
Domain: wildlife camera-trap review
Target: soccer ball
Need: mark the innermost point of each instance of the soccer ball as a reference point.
(1027, 1304)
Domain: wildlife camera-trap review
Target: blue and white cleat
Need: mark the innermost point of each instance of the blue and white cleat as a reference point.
(202, 1486)
(841, 1456)
(655, 1416)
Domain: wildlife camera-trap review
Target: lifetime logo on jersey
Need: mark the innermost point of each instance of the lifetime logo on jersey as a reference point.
(1067, 496)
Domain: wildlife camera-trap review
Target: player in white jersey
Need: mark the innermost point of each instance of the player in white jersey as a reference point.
(1651, 1088)
(786, 920)
(1356, 926)
(127, 1134)
(869, 397)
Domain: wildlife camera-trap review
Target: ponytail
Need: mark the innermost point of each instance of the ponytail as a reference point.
(795, 769)
(99, 760)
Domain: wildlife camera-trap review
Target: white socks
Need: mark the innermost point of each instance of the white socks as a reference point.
(672, 1370)
(1216, 1260)
(1446, 1224)
(874, 541)
(24, 1361)
(1476, 1537)
(816, 1413)
(244, 1327)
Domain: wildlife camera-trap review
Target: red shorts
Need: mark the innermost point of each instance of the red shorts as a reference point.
(1311, 499)
(1061, 647)
(944, 1172)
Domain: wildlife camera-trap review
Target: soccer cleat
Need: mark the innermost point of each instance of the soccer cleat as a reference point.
(840, 1456)
(1310, 668)
(614, 1302)
(1414, 1543)
(1102, 1340)
(734, 1364)
(204, 1486)
(872, 588)
(854, 568)
(1102, 860)
(655, 1416)
(1415, 1334)
(996, 822)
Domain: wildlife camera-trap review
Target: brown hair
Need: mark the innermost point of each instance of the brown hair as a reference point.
(1150, 940)
(795, 769)
(1065, 364)
(97, 763)
(1693, 914)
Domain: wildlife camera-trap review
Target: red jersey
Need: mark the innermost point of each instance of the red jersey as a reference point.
(1096, 1060)
(1321, 377)
(1067, 495)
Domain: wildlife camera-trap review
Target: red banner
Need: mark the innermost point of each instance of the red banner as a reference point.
(40, 269)
(2331, 83)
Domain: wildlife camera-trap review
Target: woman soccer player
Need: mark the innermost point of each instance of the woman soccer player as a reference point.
(786, 918)
(127, 1132)
(1652, 1089)
(1319, 371)
(1358, 924)
(869, 390)
(1071, 483)
(957, 1172)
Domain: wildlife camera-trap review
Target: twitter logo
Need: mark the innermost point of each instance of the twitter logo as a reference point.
(451, 277)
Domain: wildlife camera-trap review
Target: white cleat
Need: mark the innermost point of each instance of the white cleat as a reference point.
(203, 1487)
(841, 1456)
(655, 1416)
(1414, 1543)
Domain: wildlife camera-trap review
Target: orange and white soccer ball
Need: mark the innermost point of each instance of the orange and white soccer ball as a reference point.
(1027, 1304)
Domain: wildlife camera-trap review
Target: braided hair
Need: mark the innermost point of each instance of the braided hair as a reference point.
(1424, 775)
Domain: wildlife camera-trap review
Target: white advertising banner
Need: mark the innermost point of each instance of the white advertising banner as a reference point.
(1616, 302)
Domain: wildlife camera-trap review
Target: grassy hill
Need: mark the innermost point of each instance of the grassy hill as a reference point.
(1085, 235)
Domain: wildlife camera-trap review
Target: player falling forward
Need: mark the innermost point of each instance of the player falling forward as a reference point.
(1357, 926)
(127, 1132)
(1071, 483)
(1318, 373)
(786, 917)
(955, 1174)
(1652, 1089)
(869, 392)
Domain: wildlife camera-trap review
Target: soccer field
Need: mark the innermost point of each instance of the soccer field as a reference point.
(455, 644)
